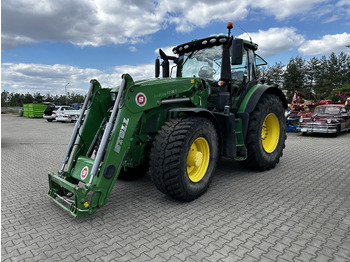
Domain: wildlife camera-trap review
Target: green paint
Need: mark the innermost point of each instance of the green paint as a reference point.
(247, 97)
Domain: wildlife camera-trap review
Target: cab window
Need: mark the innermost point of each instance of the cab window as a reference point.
(239, 73)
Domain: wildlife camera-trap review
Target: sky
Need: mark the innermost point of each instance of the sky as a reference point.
(47, 45)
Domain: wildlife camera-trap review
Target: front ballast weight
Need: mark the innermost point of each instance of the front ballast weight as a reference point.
(81, 190)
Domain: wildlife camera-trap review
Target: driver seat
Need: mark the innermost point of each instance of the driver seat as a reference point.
(206, 72)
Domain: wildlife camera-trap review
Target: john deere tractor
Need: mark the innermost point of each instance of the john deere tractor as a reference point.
(175, 126)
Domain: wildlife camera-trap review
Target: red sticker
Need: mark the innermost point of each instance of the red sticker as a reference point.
(141, 99)
(84, 172)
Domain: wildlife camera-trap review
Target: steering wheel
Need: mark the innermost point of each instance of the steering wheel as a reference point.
(208, 69)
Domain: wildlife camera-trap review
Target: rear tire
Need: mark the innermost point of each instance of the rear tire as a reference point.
(266, 134)
(183, 157)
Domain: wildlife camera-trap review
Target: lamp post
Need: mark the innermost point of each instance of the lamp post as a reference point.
(65, 88)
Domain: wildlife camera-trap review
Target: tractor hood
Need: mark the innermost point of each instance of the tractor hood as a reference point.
(147, 94)
(166, 83)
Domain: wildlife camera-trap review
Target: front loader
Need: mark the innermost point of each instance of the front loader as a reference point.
(176, 128)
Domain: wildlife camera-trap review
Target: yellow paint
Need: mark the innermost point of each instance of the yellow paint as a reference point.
(270, 133)
(198, 159)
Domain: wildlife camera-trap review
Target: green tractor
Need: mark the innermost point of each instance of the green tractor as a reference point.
(175, 127)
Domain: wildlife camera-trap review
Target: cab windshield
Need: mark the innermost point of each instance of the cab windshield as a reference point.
(204, 63)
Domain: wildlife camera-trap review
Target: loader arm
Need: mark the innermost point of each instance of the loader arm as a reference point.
(98, 155)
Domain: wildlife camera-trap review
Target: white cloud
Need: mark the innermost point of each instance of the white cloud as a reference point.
(12, 41)
(275, 40)
(168, 50)
(326, 45)
(282, 9)
(331, 12)
(197, 13)
(132, 49)
(102, 22)
(138, 72)
(32, 78)
(80, 22)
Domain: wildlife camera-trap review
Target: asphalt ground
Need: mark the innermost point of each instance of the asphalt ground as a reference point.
(299, 211)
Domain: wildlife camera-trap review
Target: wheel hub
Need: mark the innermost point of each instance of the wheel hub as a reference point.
(270, 133)
(195, 158)
(198, 159)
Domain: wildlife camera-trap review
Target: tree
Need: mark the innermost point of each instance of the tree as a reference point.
(340, 94)
(75, 98)
(310, 74)
(331, 74)
(28, 98)
(38, 98)
(294, 76)
(274, 75)
(16, 99)
(5, 97)
(48, 98)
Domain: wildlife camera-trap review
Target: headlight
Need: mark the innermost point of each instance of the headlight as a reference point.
(301, 119)
(329, 121)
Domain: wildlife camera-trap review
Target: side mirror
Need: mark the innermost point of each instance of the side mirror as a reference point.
(157, 68)
(236, 52)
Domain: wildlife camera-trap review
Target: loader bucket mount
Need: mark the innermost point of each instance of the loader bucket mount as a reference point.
(81, 189)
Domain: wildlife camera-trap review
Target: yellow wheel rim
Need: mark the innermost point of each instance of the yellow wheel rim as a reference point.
(270, 133)
(198, 159)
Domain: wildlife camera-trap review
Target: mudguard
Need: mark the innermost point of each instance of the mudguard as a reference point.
(251, 99)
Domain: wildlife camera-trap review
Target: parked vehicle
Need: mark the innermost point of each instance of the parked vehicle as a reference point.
(52, 112)
(68, 116)
(329, 119)
(292, 122)
(77, 106)
(325, 102)
(178, 127)
(48, 113)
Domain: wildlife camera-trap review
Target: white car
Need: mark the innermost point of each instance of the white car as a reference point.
(51, 112)
(68, 115)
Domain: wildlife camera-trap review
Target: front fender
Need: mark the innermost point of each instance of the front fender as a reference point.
(224, 124)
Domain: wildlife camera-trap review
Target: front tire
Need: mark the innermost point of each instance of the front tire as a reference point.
(266, 134)
(183, 157)
(337, 132)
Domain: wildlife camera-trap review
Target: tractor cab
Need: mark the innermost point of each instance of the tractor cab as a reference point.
(226, 64)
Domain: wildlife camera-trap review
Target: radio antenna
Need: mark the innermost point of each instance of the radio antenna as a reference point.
(246, 33)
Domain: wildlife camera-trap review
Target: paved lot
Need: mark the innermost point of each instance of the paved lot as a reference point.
(299, 211)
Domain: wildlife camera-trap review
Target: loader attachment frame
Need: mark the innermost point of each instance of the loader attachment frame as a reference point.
(81, 189)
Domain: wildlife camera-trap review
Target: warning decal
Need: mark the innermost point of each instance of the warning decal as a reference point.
(141, 99)
(84, 172)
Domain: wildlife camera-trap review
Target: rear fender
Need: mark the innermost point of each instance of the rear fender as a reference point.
(252, 98)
